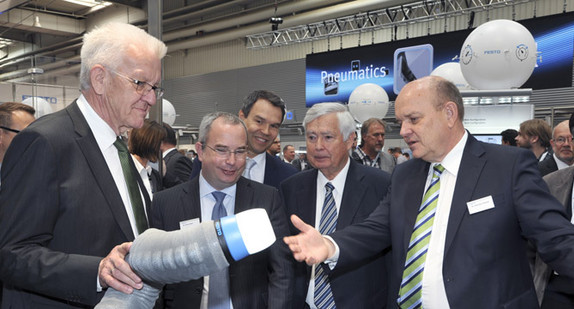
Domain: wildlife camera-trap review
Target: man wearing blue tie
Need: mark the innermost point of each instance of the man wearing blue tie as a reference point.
(263, 280)
(338, 193)
(463, 244)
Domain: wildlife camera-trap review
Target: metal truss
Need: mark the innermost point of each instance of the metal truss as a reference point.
(420, 11)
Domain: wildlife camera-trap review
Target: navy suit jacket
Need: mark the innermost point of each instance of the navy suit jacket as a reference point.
(360, 285)
(485, 261)
(177, 168)
(275, 170)
(262, 280)
(60, 213)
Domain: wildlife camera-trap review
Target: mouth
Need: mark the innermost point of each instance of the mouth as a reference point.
(229, 172)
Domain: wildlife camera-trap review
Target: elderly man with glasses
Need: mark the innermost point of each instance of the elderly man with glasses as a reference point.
(71, 199)
(562, 148)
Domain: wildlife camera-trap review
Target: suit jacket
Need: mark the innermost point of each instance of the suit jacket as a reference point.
(560, 185)
(275, 170)
(363, 284)
(60, 213)
(262, 280)
(548, 165)
(177, 168)
(485, 261)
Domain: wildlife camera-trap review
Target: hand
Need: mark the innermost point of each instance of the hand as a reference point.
(309, 245)
(115, 272)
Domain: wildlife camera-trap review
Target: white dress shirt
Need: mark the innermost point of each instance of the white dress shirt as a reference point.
(339, 185)
(145, 173)
(433, 290)
(105, 137)
(258, 171)
(207, 203)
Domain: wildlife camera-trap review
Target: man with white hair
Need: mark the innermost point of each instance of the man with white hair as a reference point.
(71, 202)
(337, 193)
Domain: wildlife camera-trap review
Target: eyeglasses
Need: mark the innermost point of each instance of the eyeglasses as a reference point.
(143, 87)
(561, 140)
(225, 153)
(11, 130)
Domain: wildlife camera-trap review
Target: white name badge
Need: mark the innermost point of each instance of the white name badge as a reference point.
(188, 223)
(481, 204)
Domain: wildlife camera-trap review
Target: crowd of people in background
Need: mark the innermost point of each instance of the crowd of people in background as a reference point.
(347, 237)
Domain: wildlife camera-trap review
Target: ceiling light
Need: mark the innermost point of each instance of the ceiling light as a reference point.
(88, 3)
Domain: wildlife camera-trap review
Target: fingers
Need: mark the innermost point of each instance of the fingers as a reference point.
(299, 224)
(115, 272)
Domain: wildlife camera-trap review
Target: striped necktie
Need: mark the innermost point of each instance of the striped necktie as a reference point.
(323, 296)
(410, 294)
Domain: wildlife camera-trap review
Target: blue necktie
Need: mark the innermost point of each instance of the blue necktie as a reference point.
(323, 295)
(218, 296)
(410, 294)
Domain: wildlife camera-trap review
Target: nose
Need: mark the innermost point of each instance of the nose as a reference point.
(405, 129)
(150, 97)
(231, 158)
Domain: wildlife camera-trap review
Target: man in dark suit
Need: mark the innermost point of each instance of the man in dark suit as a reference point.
(263, 112)
(177, 166)
(65, 212)
(330, 131)
(472, 249)
(263, 280)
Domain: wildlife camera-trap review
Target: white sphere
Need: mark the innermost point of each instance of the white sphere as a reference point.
(368, 101)
(42, 106)
(168, 115)
(451, 71)
(500, 54)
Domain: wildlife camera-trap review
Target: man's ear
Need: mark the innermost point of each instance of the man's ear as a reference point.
(241, 115)
(98, 78)
(451, 110)
(199, 151)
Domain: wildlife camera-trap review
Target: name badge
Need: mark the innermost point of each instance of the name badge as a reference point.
(188, 223)
(481, 204)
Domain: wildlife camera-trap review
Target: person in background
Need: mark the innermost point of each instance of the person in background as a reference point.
(460, 219)
(14, 117)
(288, 153)
(301, 163)
(144, 144)
(355, 191)
(71, 199)
(178, 166)
(399, 156)
(371, 150)
(535, 135)
(263, 280)
(509, 137)
(562, 150)
(263, 112)
(275, 148)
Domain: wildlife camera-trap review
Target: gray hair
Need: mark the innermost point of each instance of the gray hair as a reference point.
(346, 121)
(108, 45)
(207, 121)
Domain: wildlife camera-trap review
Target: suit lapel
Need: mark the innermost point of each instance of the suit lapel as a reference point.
(243, 195)
(191, 201)
(352, 196)
(412, 193)
(306, 197)
(95, 160)
(471, 166)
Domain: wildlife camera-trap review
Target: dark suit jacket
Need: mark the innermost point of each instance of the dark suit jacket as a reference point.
(364, 284)
(548, 165)
(275, 170)
(60, 213)
(177, 168)
(485, 262)
(262, 280)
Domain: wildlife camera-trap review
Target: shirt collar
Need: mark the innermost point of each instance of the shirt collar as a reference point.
(103, 133)
(206, 189)
(338, 182)
(451, 161)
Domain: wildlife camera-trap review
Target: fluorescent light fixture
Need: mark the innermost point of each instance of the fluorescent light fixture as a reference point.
(88, 3)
